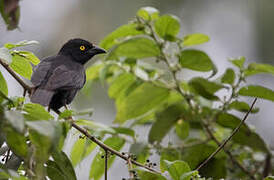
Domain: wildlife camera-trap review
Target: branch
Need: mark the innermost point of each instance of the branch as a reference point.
(82, 130)
(106, 164)
(222, 146)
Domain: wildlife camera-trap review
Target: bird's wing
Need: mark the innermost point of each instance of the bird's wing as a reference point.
(64, 78)
(41, 70)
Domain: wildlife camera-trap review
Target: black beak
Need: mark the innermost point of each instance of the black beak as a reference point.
(97, 50)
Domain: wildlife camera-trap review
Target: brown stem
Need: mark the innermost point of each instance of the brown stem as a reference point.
(82, 130)
(222, 146)
(131, 174)
(16, 77)
(106, 164)
(267, 166)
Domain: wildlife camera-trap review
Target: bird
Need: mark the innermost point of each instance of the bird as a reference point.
(57, 79)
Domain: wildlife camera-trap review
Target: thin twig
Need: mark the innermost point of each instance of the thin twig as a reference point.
(131, 174)
(7, 157)
(82, 130)
(229, 138)
(15, 76)
(106, 164)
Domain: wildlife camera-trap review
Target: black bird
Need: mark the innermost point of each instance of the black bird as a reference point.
(57, 79)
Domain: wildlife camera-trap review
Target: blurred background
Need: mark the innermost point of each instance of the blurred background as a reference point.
(236, 28)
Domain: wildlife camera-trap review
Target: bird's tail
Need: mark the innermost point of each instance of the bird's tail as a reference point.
(41, 96)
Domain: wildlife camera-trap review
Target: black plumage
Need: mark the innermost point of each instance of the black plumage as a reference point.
(57, 79)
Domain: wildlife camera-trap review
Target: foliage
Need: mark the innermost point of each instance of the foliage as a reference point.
(144, 94)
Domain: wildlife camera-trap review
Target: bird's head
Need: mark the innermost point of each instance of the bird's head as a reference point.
(80, 50)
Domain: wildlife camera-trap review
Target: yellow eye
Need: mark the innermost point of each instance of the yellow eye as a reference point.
(82, 48)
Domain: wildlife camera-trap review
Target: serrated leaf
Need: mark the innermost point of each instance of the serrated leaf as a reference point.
(148, 13)
(257, 91)
(21, 66)
(119, 34)
(167, 27)
(96, 170)
(136, 47)
(195, 39)
(205, 88)
(3, 86)
(177, 168)
(182, 129)
(255, 68)
(196, 60)
(165, 120)
(238, 62)
(36, 112)
(146, 97)
(5, 55)
(19, 44)
(81, 149)
(228, 77)
(242, 107)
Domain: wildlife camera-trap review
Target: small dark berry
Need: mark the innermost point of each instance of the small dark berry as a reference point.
(135, 159)
(102, 156)
(154, 164)
(123, 153)
(148, 161)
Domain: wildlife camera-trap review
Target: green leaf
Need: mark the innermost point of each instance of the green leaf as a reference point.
(16, 142)
(219, 166)
(141, 100)
(238, 62)
(242, 107)
(205, 88)
(29, 56)
(21, 66)
(54, 172)
(146, 175)
(170, 154)
(165, 120)
(182, 129)
(95, 126)
(81, 149)
(16, 120)
(189, 175)
(196, 60)
(244, 136)
(137, 48)
(167, 27)
(3, 86)
(96, 170)
(255, 68)
(257, 91)
(19, 44)
(124, 130)
(50, 129)
(10, 11)
(177, 168)
(195, 39)
(36, 112)
(120, 85)
(269, 178)
(140, 151)
(196, 154)
(119, 34)
(64, 165)
(228, 77)
(148, 13)
(5, 55)
(92, 72)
